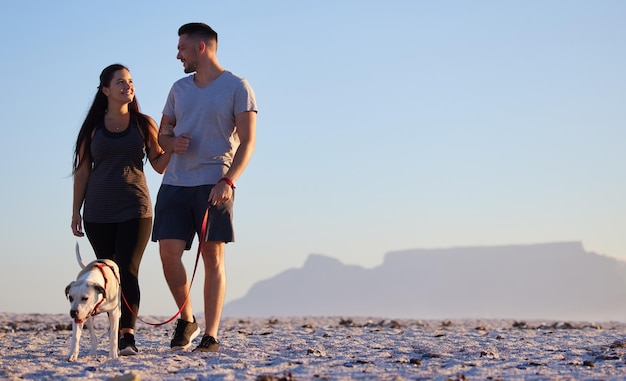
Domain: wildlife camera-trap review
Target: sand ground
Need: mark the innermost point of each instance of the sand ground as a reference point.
(35, 347)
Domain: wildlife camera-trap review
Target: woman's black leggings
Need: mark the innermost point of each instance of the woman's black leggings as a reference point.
(124, 243)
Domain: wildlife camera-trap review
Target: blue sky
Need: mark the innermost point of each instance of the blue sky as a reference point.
(383, 126)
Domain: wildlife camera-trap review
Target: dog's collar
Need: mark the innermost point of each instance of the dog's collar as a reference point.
(101, 266)
(95, 311)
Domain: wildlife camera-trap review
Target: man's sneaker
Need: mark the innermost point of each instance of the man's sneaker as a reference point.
(184, 333)
(208, 344)
(126, 345)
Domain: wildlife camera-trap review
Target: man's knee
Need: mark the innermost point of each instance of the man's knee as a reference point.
(171, 249)
(213, 254)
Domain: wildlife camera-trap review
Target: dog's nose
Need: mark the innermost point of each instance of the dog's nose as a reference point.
(73, 313)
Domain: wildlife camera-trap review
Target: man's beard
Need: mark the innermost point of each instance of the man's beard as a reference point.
(190, 68)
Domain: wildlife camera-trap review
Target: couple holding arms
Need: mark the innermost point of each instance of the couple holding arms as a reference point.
(205, 141)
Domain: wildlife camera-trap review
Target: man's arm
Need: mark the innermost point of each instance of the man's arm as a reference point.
(166, 133)
(168, 140)
(246, 129)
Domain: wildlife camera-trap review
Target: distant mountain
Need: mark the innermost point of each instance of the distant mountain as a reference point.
(559, 281)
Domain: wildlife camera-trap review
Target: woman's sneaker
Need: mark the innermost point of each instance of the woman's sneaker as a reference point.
(126, 345)
(208, 344)
(184, 333)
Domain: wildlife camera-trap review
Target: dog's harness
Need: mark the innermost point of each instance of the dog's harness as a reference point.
(101, 265)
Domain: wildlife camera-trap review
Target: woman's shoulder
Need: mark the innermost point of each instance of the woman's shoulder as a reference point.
(141, 119)
(97, 128)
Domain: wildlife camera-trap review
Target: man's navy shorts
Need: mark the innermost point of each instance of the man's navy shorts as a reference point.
(179, 213)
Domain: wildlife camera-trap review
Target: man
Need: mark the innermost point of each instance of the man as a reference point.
(209, 123)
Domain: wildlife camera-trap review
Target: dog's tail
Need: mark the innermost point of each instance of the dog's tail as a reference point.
(78, 257)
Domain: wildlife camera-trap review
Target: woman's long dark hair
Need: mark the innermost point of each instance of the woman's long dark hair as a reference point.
(96, 115)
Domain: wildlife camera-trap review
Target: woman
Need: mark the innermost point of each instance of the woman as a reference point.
(112, 144)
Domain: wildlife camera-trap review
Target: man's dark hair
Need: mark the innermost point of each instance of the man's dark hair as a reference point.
(198, 29)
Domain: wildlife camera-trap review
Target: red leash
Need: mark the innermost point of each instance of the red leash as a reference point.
(195, 267)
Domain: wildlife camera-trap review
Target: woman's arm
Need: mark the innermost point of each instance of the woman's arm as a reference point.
(81, 178)
(158, 156)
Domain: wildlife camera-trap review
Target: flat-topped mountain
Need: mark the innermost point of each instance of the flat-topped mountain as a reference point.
(543, 281)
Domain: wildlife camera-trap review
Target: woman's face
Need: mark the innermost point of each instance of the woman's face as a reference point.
(121, 89)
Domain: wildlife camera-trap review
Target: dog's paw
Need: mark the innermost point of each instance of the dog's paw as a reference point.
(72, 357)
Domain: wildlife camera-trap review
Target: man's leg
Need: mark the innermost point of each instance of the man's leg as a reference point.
(214, 284)
(171, 251)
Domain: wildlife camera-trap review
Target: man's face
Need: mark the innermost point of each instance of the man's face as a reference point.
(187, 53)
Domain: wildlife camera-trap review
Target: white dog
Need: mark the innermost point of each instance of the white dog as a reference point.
(95, 290)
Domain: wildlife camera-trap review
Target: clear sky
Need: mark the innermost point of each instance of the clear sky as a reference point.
(383, 126)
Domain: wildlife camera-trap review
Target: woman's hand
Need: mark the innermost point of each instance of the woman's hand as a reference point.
(77, 225)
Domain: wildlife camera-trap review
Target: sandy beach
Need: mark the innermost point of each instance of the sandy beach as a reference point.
(35, 347)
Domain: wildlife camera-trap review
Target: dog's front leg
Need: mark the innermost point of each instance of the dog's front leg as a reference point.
(77, 330)
(93, 337)
(114, 326)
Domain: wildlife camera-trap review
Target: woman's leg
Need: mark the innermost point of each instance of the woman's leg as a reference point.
(102, 239)
(130, 242)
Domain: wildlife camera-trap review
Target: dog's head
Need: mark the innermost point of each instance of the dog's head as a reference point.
(83, 297)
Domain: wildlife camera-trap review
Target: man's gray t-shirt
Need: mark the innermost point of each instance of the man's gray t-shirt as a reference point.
(207, 115)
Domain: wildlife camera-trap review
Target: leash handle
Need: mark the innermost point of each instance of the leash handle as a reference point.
(195, 267)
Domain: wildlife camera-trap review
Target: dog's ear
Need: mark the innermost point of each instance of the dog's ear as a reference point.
(100, 290)
(67, 289)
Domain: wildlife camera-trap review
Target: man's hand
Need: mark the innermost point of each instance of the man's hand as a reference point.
(181, 143)
(220, 193)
